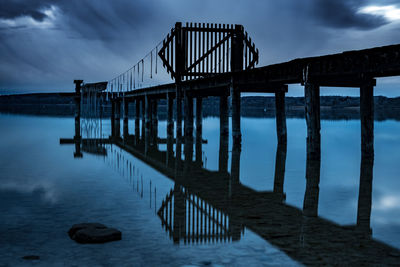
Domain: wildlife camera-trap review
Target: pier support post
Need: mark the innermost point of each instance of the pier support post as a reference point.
(313, 165)
(137, 120)
(170, 129)
(147, 123)
(112, 118)
(143, 118)
(280, 116)
(312, 110)
(118, 118)
(199, 131)
(367, 158)
(188, 130)
(126, 112)
(154, 122)
(77, 137)
(367, 119)
(236, 65)
(235, 98)
(180, 51)
(223, 134)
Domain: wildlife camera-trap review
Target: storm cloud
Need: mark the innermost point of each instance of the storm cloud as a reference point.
(11, 9)
(45, 44)
(344, 14)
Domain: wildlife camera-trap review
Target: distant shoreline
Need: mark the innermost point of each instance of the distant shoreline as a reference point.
(332, 107)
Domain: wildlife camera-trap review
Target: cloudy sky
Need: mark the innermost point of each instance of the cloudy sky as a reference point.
(46, 44)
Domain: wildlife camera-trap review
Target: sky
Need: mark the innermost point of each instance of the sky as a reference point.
(46, 44)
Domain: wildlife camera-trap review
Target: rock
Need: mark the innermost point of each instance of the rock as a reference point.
(31, 257)
(85, 233)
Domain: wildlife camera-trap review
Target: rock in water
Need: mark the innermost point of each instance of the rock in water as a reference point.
(85, 233)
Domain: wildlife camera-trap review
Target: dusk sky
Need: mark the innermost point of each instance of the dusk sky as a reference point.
(46, 44)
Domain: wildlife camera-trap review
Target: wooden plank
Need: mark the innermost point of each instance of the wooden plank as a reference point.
(203, 47)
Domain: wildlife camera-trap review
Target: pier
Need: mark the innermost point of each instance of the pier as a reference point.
(220, 60)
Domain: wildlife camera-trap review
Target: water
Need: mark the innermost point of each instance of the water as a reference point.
(44, 190)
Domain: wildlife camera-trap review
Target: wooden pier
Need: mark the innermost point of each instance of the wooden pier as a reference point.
(219, 60)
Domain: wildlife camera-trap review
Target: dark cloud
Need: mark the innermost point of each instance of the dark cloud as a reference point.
(98, 39)
(11, 9)
(344, 14)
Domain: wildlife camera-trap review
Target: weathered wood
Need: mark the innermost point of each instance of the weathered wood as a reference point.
(280, 111)
(147, 116)
(367, 119)
(199, 130)
(154, 121)
(236, 65)
(313, 165)
(112, 118)
(126, 119)
(143, 134)
(367, 157)
(223, 134)
(170, 130)
(188, 128)
(77, 137)
(117, 121)
(312, 112)
(137, 120)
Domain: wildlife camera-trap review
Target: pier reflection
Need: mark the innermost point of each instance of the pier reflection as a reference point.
(214, 206)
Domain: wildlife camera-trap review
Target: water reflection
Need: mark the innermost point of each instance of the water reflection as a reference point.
(214, 206)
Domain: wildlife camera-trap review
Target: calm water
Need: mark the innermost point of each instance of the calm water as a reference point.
(44, 190)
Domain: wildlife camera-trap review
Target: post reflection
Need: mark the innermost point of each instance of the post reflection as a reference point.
(214, 206)
(280, 166)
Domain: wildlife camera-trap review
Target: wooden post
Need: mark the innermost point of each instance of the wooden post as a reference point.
(313, 165)
(367, 158)
(112, 117)
(118, 118)
(137, 120)
(77, 137)
(367, 118)
(199, 131)
(188, 129)
(147, 123)
(280, 116)
(312, 112)
(179, 68)
(77, 100)
(170, 129)
(126, 111)
(143, 118)
(170, 113)
(223, 134)
(154, 122)
(236, 65)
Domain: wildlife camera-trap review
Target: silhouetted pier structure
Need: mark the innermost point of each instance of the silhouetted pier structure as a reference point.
(219, 60)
